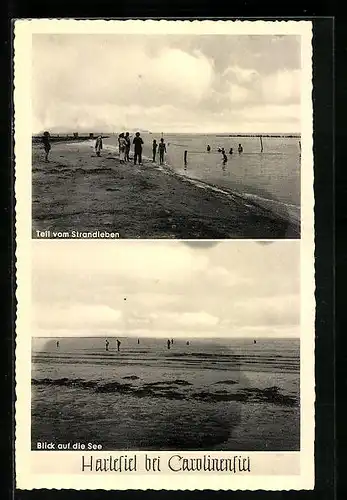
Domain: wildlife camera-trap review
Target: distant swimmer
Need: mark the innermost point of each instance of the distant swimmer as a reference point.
(219, 150)
(98, 145)
(118, 345)
(138, 341)
(254, 341)
(162, 150)
(154, 149)
(46, 144)
(225, 158)
(208, 148)
(231, 151)
(168, 344)
(187, 342)
(240, 148)
(171, 341)
(185, 157)
(106, 344)
(58, 344)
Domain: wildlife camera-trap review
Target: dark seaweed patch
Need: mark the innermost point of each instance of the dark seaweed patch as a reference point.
(270, 395)
(228, 382)
(166, 389)
(214, 396)
(114, 387)
(168, 382)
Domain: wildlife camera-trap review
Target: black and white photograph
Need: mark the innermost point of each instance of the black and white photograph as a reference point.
(164, 255)
(189, 347)
(172, 136)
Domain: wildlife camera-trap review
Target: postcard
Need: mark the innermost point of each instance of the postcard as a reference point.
(165, 255)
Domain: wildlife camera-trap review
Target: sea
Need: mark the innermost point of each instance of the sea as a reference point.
(199, 394)
(270, 177)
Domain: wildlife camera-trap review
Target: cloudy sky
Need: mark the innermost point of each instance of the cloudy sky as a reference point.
(165, 289)
(166, 83)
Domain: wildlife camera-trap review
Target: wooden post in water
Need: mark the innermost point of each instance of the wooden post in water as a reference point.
(261, 144)
(300, 146)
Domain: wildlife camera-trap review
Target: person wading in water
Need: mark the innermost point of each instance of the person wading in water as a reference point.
(98, 145)
(155, 145)
(162, 150)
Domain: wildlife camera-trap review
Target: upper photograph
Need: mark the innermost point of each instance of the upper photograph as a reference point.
(166, 136)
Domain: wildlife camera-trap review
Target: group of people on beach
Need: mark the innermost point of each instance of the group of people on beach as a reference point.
(124, 146)
(170, 342)
(107, 345)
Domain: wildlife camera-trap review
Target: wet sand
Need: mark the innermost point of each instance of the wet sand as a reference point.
(76, 190)
(224, 395)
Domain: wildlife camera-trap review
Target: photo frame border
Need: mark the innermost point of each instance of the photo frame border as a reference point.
(323, 106)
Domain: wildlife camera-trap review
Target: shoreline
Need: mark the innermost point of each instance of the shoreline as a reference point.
(148, 201)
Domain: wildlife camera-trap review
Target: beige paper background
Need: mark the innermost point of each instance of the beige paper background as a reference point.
(270, 471)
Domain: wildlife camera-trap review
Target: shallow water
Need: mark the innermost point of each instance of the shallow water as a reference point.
(210, 394)
(272, 175)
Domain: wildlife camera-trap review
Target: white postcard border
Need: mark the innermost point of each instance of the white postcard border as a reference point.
(25, 459)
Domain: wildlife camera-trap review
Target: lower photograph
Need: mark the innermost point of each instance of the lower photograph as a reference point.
(166, 357)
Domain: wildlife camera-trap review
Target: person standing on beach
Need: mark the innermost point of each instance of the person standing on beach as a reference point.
(127, 147)
(46, 144)
(240, 148)
(122, 147)
(137, 148)
(118, 345)
(98, 145)
(162, 150)
(155, 145)
(231, 151)
(106, 344)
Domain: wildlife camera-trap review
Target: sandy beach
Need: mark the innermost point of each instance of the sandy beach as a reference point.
(76, 190)
(214, 394)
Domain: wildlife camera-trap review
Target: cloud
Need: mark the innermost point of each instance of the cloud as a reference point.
(156, 263)
(151, 288)
(78, 316)
(240, 75)
(282, 87)
(272, 310)
(163, 83)
(238, 93)
(200, 318)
